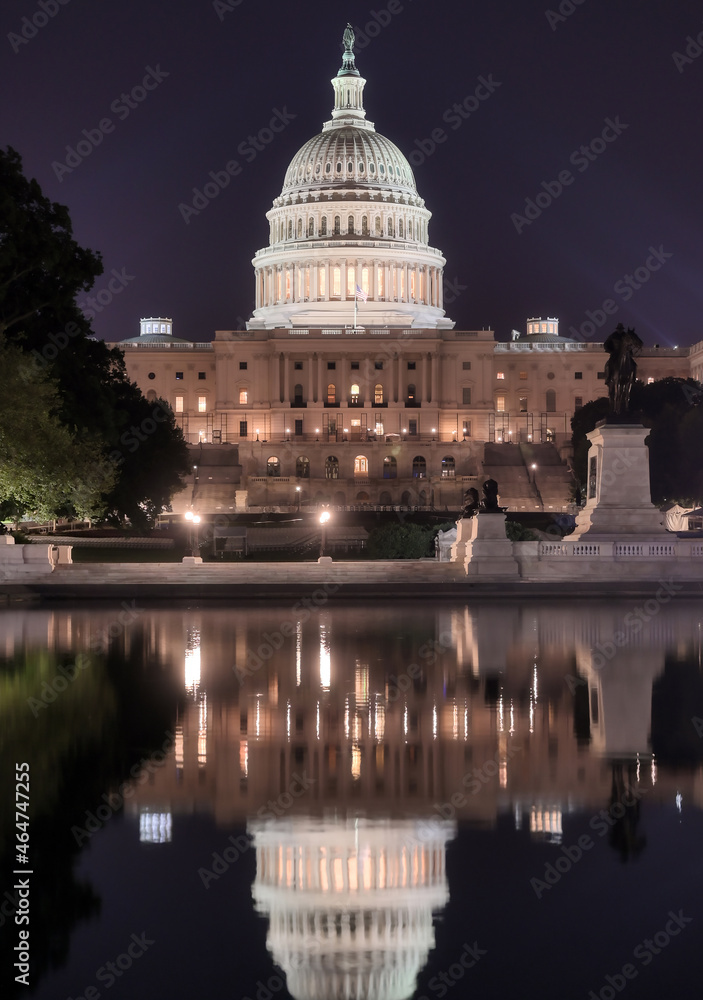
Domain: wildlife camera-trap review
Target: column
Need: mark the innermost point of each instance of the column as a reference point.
(374, 282)
(424, 387)
(311, 378)
(315, 290)
(387, 290)
(320, 390)
(343, 280)
(286, 377)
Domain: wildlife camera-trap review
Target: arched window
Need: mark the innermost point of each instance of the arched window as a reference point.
(411, 393)
(336, 282)
(400, 229)
(323, 226)
(290, 229)
(351, 282)
(378, 394)
(350, 224)
(311, 227)
(151, 396)
(551, 401)
(365, 226)
(331, 393)
(332, 467)
(419, 467)
(273, 466)
(302, 467)
(361, 465)
(337, 225)
(355, 394)
(379, 230)
(448, 466)
(390, 227)
(298, 399)
(390, 467)
(300, 227)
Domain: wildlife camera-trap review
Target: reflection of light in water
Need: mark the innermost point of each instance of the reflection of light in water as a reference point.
(466, 721)
(455, 721)
(298, 653)
(317, 721)
(379, 725)
(512, 717)
(435, 726)
(638, 768)
(244, 758)
(155, 828)
(361, 684)
(654, 771)
(346, 717)
(356, 761)
(350, 902)
(545, 822)
(192, 661)
(178, 747)
(325, 659)
(405, 720)
(500, 713)
(679, 801)
(288, 713)
(357, 723)
(202, 731)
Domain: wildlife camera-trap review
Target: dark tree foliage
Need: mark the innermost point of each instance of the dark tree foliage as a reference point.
(673, 410)
(42, 270)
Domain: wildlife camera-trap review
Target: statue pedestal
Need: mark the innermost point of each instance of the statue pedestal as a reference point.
(482, 548)
(618, 505)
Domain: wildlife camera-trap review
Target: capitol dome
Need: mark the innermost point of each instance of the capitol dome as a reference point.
(348, 235)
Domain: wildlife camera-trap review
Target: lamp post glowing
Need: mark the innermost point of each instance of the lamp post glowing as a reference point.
(297, 497)
(193, 519)
(324, 518)
(534, 470)
(257, 433)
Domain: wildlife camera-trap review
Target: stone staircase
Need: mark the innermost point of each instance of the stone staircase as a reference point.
(547, 487)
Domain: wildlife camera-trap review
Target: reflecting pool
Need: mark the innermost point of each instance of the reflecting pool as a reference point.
(362, 801)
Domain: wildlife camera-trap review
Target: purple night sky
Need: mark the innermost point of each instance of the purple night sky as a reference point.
(548, 84)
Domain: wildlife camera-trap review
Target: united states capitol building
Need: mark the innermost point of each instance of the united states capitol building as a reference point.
(350, 383)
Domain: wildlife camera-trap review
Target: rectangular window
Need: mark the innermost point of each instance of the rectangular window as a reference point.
(467, 428)
(243, 397)
(411, 366)
(578, 402)
(298, 366)
(578, 374)
(500, 404)
(650, 381)
(179, 376)
(201, 376)
(500, 375)
(378, 365)
(523, 404)
(523, 376)
(331, 366)
(355, 366)
(466, 366)
(601, 375)
(466, 396)
(202, 404)
(179, 404)
(243, 428)
(298, 428)
(412, 427)
(242, 366)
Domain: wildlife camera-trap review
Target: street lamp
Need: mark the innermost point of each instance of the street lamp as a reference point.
(193, 519)
(288, 432)
(317, 432)
(434, 431)
(324, 518)
(297, 497)
(534, 470)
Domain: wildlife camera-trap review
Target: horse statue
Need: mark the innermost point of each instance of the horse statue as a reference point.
(621, 369)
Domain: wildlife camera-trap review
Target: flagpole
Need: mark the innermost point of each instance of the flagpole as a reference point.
(355, 305)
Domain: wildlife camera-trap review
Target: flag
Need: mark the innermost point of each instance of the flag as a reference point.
(361, 294)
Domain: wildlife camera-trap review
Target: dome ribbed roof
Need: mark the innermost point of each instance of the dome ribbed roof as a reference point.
(348, 155)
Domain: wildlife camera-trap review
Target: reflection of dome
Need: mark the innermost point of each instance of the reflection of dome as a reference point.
(350, 902)
(349, 218)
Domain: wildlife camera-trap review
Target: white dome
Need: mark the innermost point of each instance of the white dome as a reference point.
(350, 155)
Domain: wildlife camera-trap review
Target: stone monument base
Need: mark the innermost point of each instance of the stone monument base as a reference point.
(482, 547)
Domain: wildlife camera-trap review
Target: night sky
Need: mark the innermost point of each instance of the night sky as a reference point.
(220, 71)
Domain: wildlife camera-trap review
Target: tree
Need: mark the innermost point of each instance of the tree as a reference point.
(42, 270)
(43, 467)
(673, 410)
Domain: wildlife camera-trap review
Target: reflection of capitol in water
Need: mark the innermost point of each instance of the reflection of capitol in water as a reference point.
(350, 902)
(354, 745)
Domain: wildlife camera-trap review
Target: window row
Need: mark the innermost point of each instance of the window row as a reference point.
(180, 401)
(361, 467)
(349, 225)
(550, 402)
(202, 376)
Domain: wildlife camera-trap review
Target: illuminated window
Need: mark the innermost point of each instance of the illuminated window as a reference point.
(179, 404)
(419, 467)
(355, 393)
(332, 467)
(336, 282)
(448, 466)
(302, 467)
(361, 465)
(390, 467)
(331, 393)
(179, 376)
(243, 397)
(202, 404)
(500, 404)
(322, 283)
(500, 375)
(351, 282)
(523, 375)
(523, 404)
(378, 394)
(649, 381)
(273, 466)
